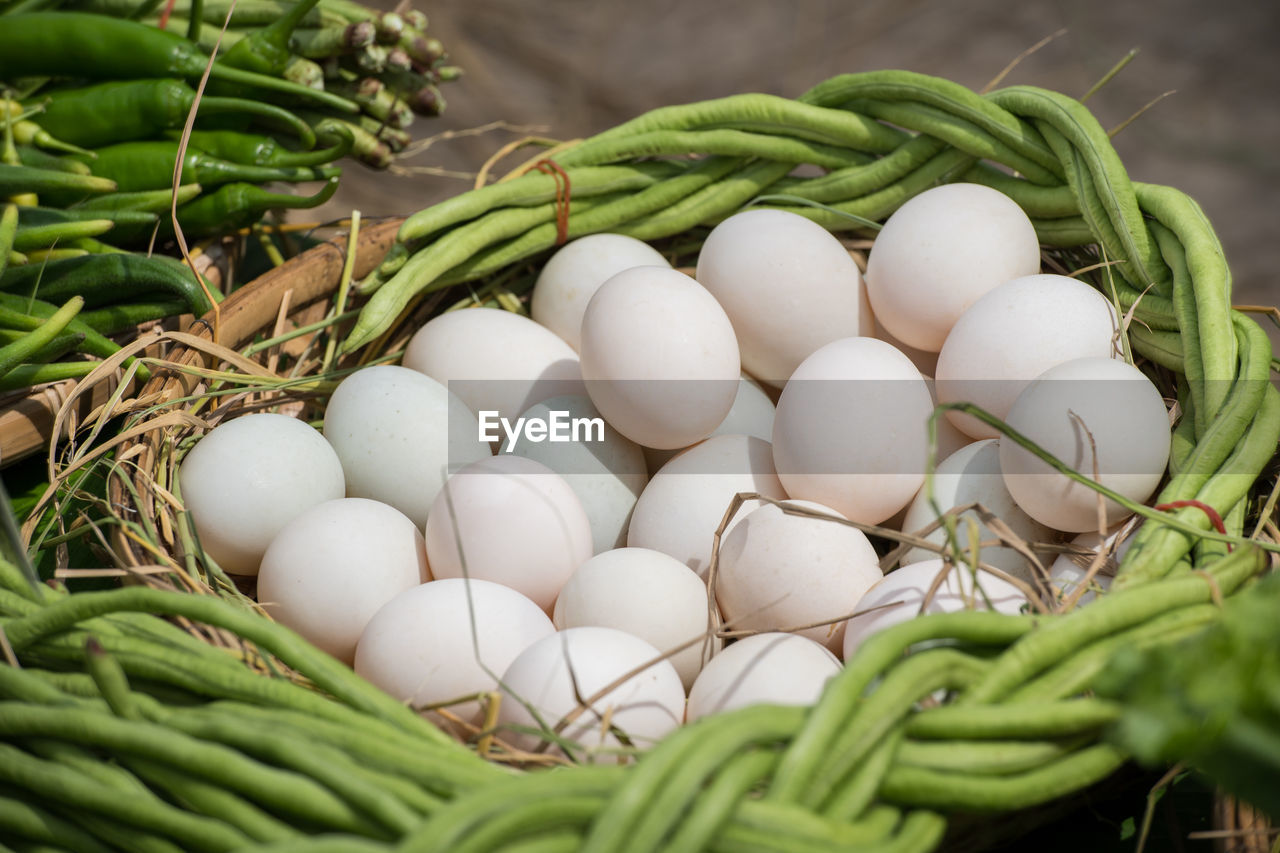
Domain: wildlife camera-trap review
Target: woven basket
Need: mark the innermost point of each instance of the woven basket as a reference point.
(816, 797)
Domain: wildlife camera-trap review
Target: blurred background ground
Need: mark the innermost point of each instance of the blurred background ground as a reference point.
(576, 67)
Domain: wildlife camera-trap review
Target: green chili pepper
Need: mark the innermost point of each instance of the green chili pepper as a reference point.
(15, 180)
(266, 50)
(77, 44)
(31, 133)
(29, 155)
(254, 149)
(152, 201)
(29, 217)
(104, 279)
(239, 205)
(33, 237)
(149, 165)
(125, 110)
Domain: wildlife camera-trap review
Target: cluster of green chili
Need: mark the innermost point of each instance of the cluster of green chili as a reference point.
(120, 730)
(370, 72)
(93, 101)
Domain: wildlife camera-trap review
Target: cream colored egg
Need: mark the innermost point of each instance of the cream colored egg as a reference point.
(850, 433)
(447, 639)
(683, 505)
(576, 271)
(772, 669)
(249, 477)
(903, 592)
(646, 593)
(659, 357)
(512, 521)
(971, 475)
(399, 435)
(332, 568)
(494, 360)
(1013, 334)
(779, 571)
(940, 252)
(1071, 409)
(751, 414)
(605, 470)
(555, 671)
(787, 284)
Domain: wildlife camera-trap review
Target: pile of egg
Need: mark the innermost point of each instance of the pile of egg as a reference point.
(446, 568)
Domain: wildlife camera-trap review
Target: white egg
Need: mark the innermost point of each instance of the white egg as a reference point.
(751, 414)
(939, 252)
(788, 285)
(1068, 411)
(509, 520)
(850, 430)
(779, 571)
(972, 475)
(551, 674)
(494, 360)
(773, 669)
(574, 273)
(605, 470)
(950, 439)
(1067, 572)
(906, 588)
(659, 357)
(646, 593)
(399, 435)
(1014, 333)
(681, 508)
(447, 639)
(249, 477)
(330, 569)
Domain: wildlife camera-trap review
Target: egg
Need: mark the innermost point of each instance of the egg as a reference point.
(605, 470)
(494, 360)
(779, 571)
(906, 588)
(646, 593)
(659, 357)
(1068, 411)
(750, 414)
(446, 639)
(328, 571)
(773, 669)
(788, 286)
(1068, 570)
(249, 477)
(941, 251)
(972, 475)
(399, 435)
(850, 430)
(509, 520)
(1014, 333)
(574, 273)
(552, 673)
(680, 510)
